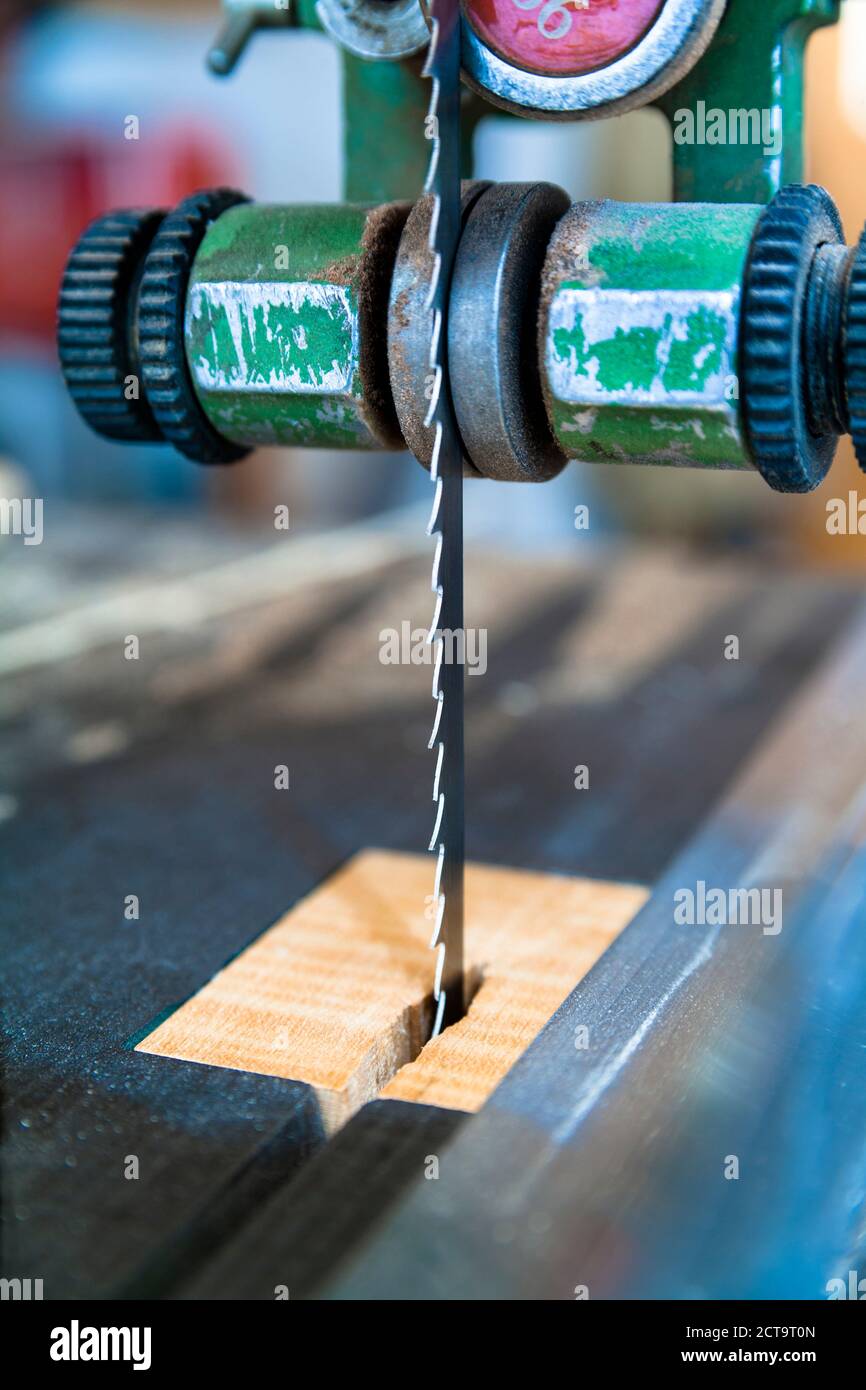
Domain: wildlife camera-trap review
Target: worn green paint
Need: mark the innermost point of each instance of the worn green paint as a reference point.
(385, 152)
(675, 438)
(242, 244)
(688, 370)
(639, 332)
(251, 342)
(648, 246)
(631, 359)
(296, 337)
(628, 359)
(311, 423)
(754, 63)
(267, 370)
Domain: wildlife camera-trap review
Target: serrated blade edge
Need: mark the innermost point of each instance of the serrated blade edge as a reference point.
(442, 128)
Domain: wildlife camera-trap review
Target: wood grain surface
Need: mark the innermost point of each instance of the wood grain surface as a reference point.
(337, 993)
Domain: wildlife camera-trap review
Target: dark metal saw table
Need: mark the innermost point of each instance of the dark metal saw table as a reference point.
(155, 778)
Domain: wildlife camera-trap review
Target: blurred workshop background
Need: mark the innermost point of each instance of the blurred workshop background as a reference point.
(72, 73)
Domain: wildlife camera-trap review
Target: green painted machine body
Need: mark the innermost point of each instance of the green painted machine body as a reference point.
(638, 332)
(393, 97)
(284, 320)
(755, 64)
(287, 306)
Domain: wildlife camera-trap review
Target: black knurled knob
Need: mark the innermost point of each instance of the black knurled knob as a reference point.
(161, 315)
(855, 349)
(784, 372)
(96, 327)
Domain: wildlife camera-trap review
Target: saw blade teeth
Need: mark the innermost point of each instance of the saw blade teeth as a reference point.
(440, 965)
(440, 811)
(432, 407)
(436, 331)
(436, 268)
(437, 890)
(437, 446)
(428, 70)
(440, 1014)
(434, 153)
(437, 718)
(437, 610)
(436, 690)
(435, 334)
(431, 125)
(442, 186)
(435, 586)
(433, 523)
(438, 773)
(440, 914)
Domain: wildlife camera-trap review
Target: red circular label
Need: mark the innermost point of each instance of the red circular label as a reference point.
(565, 37)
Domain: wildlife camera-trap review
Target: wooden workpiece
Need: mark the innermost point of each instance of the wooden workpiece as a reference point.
(337, 993)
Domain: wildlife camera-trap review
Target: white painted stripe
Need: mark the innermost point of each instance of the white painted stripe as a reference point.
(245, 305)
(603, 313)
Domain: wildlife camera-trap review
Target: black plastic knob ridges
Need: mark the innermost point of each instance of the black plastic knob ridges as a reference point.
(120, 330)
